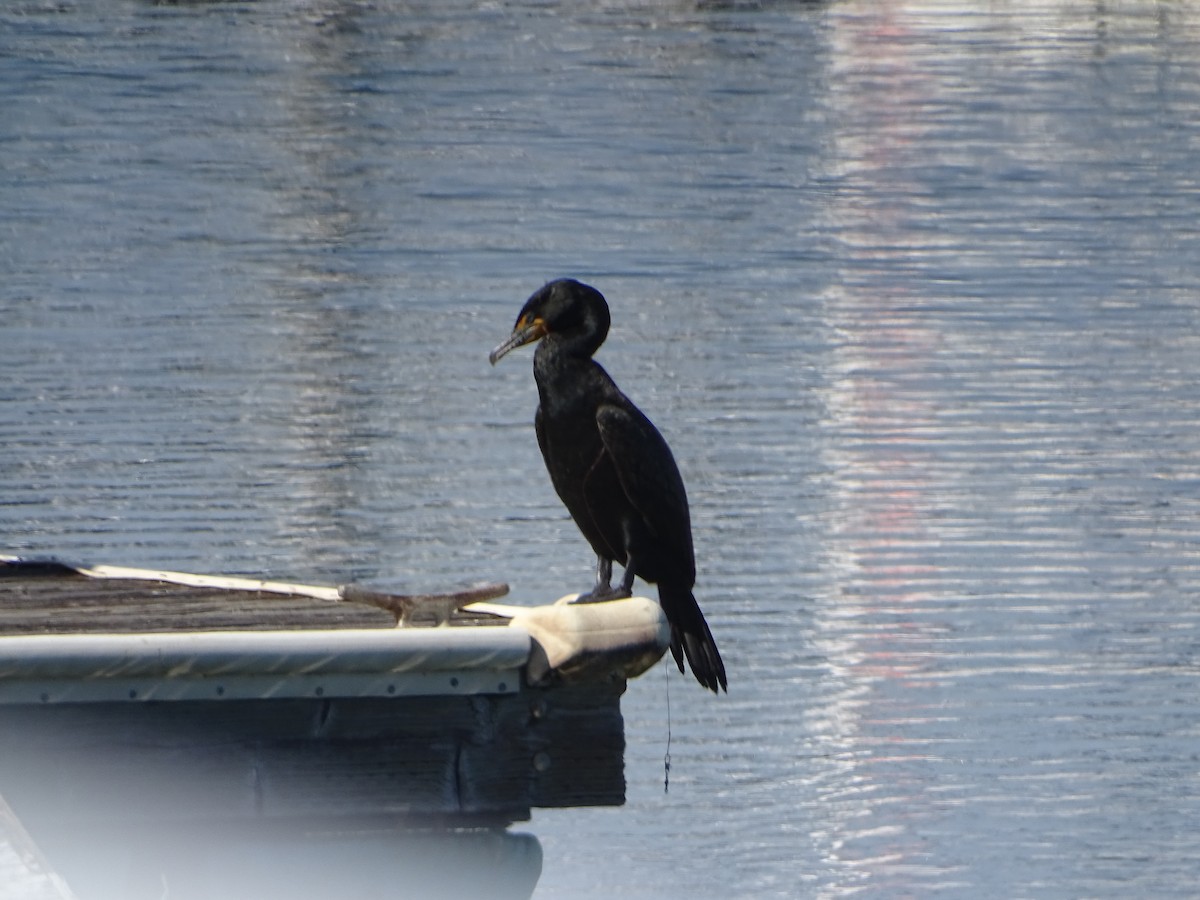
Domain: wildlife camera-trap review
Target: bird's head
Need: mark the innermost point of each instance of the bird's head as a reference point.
(568, 309)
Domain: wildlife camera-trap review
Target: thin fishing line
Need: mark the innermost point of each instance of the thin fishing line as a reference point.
(667, 755)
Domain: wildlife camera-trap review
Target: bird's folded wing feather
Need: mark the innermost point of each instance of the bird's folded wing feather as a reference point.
(647, 472)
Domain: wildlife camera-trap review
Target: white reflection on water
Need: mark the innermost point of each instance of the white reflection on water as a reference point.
(979, 440)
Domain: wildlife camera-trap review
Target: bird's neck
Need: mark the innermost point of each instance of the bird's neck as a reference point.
(580, 341)
(566, 350)
(566, 376)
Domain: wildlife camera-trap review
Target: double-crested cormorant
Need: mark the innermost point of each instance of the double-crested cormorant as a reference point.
(612, 468)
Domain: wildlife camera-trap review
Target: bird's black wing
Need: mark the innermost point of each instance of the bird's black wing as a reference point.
(539, 428)
(648, 474)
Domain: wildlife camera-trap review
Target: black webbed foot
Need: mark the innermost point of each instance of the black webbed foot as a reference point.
(601, 594)
(604, 590)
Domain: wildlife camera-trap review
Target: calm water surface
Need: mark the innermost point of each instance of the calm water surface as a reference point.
(913, 288)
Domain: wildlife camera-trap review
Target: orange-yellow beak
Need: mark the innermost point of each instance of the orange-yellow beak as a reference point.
(527, 330)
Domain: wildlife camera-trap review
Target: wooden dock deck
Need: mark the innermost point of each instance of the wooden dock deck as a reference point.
(153, 696)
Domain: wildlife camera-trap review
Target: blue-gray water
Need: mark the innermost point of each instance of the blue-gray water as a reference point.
(912, 288)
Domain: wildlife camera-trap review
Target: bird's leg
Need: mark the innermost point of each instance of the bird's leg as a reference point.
(604, 589)
(626, 588)
(603, 575)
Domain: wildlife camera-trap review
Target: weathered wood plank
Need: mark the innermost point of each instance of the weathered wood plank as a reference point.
(51, 605)
(40, 597)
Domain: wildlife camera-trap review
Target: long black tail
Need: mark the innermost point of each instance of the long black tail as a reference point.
(690, 636)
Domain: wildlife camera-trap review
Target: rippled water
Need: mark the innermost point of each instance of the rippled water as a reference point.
(913, 289)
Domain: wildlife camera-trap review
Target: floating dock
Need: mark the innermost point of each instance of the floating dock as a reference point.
(131, 695)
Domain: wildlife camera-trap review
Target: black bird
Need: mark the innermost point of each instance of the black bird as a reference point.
(612, 468)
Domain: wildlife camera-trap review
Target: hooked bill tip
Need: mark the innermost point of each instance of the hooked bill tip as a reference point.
(498, 352)
(519, 337)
